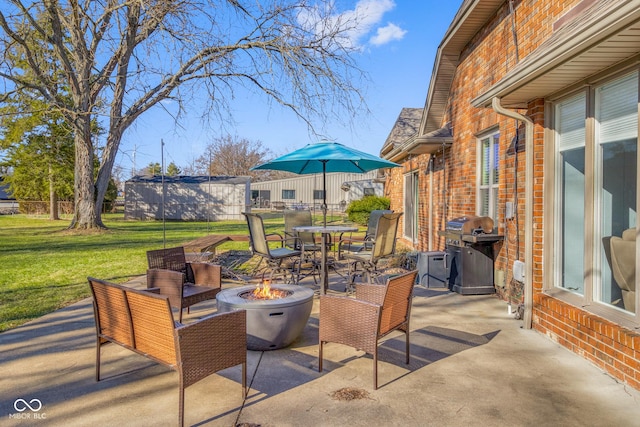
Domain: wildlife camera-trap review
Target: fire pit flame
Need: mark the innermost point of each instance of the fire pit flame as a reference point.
(264, 291)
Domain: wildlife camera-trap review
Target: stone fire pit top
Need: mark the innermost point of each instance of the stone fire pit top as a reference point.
(232, 296)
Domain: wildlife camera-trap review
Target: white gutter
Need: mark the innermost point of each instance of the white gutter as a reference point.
(528, 208)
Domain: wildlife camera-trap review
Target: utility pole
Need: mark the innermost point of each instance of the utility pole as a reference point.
(164, 228)
(133, 171)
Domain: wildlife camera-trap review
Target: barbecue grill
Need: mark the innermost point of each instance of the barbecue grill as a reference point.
(470, 254)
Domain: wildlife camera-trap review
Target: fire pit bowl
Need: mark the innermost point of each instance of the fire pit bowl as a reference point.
(271, 323)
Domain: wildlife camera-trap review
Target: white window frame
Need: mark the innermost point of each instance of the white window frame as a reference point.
(492, 188)
(411, 204)
(590, 300)
(286, 192)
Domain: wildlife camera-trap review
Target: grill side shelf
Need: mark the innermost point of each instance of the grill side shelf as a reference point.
(479, 238)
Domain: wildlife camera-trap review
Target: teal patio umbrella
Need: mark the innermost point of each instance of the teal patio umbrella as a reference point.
(324, 157)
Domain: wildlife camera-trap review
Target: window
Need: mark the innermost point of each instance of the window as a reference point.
(599, 268)
(488, 165)
(411, 198)
(318, 194)
(616, 114)
(570, 188)
(260, 198)
(288, 194)
(368, 191)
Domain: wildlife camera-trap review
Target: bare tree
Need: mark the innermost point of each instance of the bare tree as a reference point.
(119, 58)
(235, 156)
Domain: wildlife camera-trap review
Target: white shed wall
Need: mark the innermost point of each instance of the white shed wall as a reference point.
(193, 201)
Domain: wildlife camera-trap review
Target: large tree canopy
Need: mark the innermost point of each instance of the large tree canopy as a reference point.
(119, 58)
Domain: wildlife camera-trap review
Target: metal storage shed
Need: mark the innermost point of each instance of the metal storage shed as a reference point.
(306, 190)
(186, 197)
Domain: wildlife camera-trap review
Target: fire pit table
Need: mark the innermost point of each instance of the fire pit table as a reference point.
(272, 321)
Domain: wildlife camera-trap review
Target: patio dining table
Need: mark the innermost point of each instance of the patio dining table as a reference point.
(325, 231)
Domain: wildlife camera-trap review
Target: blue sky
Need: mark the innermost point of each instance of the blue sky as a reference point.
(398, 44)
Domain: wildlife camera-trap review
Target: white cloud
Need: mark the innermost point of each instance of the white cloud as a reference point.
(387, 34)
(361, 21)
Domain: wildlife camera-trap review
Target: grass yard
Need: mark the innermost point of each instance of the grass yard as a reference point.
(44, 267)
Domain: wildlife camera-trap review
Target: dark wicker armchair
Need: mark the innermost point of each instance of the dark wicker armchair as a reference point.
(376, 311)
(185, 283)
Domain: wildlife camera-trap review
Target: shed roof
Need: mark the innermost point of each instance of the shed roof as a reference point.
(191, 179)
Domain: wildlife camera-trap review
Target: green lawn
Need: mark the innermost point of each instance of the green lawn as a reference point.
(44, 267)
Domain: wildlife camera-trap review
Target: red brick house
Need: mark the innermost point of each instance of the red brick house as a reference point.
(531, 118)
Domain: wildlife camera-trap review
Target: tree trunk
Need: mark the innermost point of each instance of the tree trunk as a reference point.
(104, 173)
(53, 198)
(85, 215)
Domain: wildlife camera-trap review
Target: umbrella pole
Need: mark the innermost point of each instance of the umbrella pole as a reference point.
(324, 192)
(324, 279)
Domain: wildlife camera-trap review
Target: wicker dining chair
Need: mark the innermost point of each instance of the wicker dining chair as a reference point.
(361, 322)
(185, 283)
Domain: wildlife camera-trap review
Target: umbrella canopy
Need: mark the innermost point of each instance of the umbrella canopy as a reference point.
(323, 157)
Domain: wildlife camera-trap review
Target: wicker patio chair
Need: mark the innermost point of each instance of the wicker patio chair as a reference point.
(360, 243)
(185, 283)
(280, 261)
(383, 246)
(143, 322)
(362, 321)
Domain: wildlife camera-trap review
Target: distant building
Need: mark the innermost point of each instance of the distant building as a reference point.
(186, 197)
(8, 205)
(306, 190)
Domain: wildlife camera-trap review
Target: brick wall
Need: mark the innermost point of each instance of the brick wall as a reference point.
(450, 183)
(614, 349)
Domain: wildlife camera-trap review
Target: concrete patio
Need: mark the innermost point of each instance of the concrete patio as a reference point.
(471, 364)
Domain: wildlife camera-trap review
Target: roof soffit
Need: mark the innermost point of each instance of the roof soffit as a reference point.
(423, 144)
(605, 34)
(470, 18)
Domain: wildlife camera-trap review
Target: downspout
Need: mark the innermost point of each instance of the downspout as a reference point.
(430, 171)
(528, 208)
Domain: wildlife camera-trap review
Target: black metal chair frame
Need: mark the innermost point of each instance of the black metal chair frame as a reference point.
(383, 246)
(274, 257)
